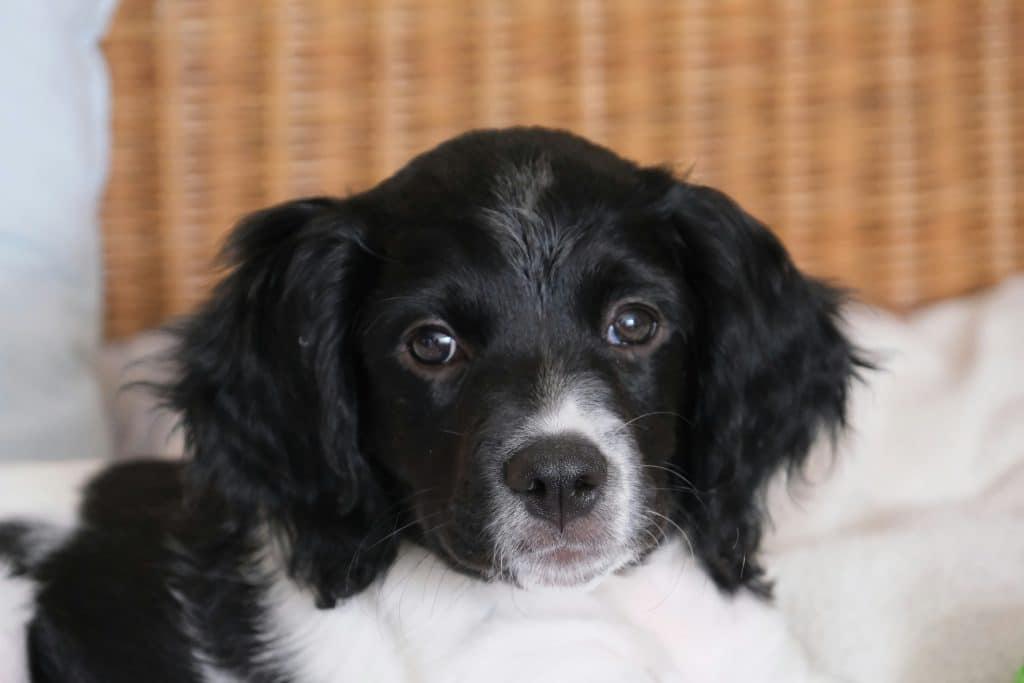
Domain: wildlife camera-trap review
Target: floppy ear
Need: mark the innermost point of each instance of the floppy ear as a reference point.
(268, 391)
(770, 370)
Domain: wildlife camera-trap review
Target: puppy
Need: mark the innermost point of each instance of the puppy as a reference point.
(505, 416)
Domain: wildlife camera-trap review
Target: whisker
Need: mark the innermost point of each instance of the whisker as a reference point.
(403, 528)
(678, 528)
(679, 568)
(676, 489)
(662, 529)
(674, 473)
(655, 541)
(657, 412)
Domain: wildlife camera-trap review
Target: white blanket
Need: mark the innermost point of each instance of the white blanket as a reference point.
(906, 561)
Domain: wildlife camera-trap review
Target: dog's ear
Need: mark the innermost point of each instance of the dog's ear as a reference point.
(268, 390)
(770, 370)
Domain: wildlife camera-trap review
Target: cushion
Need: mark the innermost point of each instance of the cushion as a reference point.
(54, 136)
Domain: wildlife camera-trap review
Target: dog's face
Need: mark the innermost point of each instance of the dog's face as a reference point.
(530, 355)
(524, 348)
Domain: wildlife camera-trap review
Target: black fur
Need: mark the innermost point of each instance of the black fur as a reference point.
(110, 605)
(104, 610)
(772, 373)
(307, 425)
(268, 394)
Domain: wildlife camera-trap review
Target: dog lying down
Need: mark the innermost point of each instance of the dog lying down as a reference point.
(505, 416)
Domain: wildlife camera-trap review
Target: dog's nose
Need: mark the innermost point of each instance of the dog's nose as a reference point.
(558, 478)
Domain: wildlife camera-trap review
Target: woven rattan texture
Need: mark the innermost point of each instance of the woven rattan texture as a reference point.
(880, 138)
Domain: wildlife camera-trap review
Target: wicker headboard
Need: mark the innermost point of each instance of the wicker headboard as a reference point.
(880, 138)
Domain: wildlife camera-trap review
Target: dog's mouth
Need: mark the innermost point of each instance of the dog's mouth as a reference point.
(564, 554)
(562, 564)
(565, 565)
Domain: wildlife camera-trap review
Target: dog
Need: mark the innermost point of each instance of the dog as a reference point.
(508, 415)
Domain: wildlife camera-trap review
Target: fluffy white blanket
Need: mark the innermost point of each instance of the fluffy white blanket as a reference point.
(905, 562)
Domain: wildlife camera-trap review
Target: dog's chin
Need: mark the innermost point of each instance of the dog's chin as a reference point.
(564, 567)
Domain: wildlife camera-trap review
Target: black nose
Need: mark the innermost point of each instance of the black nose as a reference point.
(558, 478)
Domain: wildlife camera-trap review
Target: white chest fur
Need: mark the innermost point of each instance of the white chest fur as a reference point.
(423, 623)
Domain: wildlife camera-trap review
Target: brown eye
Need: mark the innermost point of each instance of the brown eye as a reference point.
(632, 326)
(433, 346)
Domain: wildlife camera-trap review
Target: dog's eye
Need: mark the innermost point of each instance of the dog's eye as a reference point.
(631, 326)
(433, 345)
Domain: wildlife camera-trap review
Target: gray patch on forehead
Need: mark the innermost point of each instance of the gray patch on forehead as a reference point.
(522, 184)
(530, 238)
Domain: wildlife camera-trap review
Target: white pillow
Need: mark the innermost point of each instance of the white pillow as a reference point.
(54, 139)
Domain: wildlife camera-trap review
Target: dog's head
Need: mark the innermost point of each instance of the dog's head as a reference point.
(531, 356)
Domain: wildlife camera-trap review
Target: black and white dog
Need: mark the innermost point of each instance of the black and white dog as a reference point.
(498, 418)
